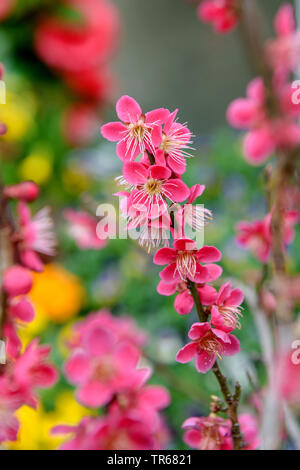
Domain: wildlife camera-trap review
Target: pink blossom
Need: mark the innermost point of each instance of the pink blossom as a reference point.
(256, 236)
(283, 52)
(123, 328)
(17, 281)
(184, 301)
(6, 8)
(35, 236)
(208, 433)
(9, 403)
(222, 14)
(184, 261)
(207, 344)
(27, 191)
(80, 124)
(134, 133)
(195, 216)
(101, 367)
(265, 134)
(214, 433)
(226, 310)
(151, 188)
(172, 142)
(288, 375)
(83, 228)
(32, 371)
(115, 431)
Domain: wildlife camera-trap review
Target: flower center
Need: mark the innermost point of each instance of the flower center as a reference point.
(186, 264)
(231, 315)
(153, 187)
(211, 344)
(138, 130)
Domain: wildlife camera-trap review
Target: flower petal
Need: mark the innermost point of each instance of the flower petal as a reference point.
(128, 110)
(113, 131)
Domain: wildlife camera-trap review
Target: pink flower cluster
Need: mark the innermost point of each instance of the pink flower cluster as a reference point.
(82, 228)
(214, 433)
(222, 14)
(272, 123)
(154, 183)
(104, 365)
(22, 374)
(20, 379)
(257, 237)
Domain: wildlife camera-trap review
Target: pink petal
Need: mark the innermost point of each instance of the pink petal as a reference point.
(193, 438)
(98, 341)
(222, 335)
(113, 131)
(155, 396)
(207, 294)
(177, 165)
(198, 330)
(169, 273)
(164, 256)
(158, 172)
(135, 173)
(224, 292)
(232, 348)
(201, 275)
(208, 254)
(31, 260)
(187, 353)
(185, 244)
(196, 191)
(127, 356)
(214, 272)
(165, 288)
(77, 368)
(176, 190)
(184, 303)
(156, 136)
(242, 113)
(94, 394)
(125, 153)
(17, 281)
(204, 361)
(23, 310)
(217, 320)
(236, 298)
(284, 22)
(258, 146)
(157, 116)
(128, 110)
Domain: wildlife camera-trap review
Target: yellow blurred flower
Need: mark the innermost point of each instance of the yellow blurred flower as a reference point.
(37, 166)
(57, 294)
(17, 114)
(35, 425)
(75, 180)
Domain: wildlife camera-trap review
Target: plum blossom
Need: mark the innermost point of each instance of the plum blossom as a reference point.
(214, 433)
(256, 236)
(222, 14)
(9, 403)
(35, 236)
(26, 191)
(151, 187)
(184, 261)
(266, 132)
(283, 53)
(101, 367)
(134, 132)
(172, 142)
(207, 345)
(226, 309)
(83, 228)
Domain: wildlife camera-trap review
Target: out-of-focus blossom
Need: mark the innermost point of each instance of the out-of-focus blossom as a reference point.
(82, 228)
(256, 236)
(27, 191)
(17, 281)
(207, 345)
(283, 52)
(6, 7)
(214, 433)
(80, 124)
(266, 132)
(57, 294)
(35, 236)
(222, 14)
(288, 375)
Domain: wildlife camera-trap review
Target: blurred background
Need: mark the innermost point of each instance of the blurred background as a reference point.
(159, 53)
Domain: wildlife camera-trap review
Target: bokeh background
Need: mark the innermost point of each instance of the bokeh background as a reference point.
(164, 57)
